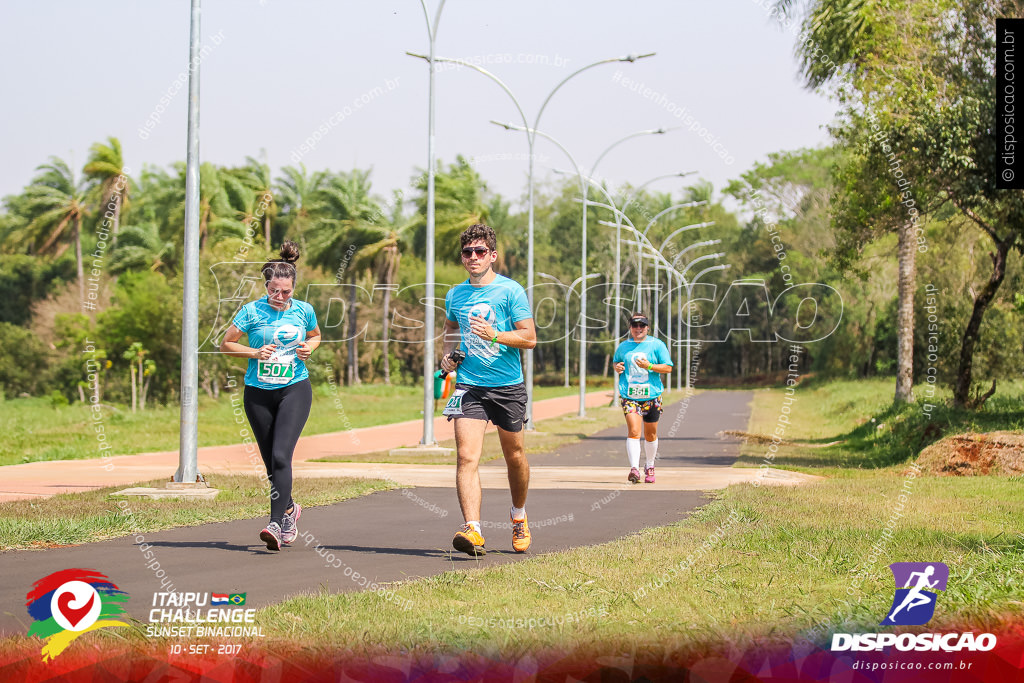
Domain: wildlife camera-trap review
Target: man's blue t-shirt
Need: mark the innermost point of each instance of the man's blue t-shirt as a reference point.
(287, 329)
(637, 383)
(502, 303)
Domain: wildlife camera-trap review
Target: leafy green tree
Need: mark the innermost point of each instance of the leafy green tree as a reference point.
(26, 280)
(919, 137)
(136, 357)
(145, 308)
(24, 360)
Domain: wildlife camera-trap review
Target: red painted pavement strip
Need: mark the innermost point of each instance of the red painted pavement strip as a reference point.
(43, 479)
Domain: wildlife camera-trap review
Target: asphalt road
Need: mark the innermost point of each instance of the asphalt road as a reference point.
(687, 436)
(390, 536)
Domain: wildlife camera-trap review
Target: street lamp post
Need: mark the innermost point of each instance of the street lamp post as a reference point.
(566, 352)
(531, 139)
(689, 303)
(188, 466)
(428, 334)
(583, 259)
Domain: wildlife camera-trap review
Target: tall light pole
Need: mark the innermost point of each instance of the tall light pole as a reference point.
(583, 259)
(428, 323)
(689, 296)
(618, 244)
(650, 224)
(188, 467)
(530, 140)
(568, 295)
(689, 304)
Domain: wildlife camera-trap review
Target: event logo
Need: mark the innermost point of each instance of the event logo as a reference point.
(913, 605)
(475, 346)
(71, 602)
(227, 598)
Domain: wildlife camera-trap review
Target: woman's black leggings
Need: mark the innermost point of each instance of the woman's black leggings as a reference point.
(277, 417)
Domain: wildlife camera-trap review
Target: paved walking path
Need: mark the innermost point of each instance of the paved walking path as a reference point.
(44, 479)
(401, 535)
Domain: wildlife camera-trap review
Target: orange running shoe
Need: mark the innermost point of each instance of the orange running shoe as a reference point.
(520, 535)
(468, 540)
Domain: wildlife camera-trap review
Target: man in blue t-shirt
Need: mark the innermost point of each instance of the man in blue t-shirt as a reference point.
(640, 362)
(488, 316)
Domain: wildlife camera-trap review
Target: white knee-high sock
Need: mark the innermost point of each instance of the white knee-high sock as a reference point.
(651, 451)
(633, 452)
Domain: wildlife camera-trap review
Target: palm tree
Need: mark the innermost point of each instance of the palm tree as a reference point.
(296, 196)
(383, 258)
(458, 203)
(141, 247)
(105, 170)
(256, 175)
(56, 202)
(345, 219)
(222, 201)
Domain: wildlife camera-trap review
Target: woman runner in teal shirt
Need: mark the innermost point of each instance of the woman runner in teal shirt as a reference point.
(282, 333)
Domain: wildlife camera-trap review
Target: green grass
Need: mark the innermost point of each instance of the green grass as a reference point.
(871, 431)
(768, 564)
(36, 430)
(74, 518)
(780, 570)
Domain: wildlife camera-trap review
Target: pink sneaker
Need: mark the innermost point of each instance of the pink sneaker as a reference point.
(634, 475)
(649, 479)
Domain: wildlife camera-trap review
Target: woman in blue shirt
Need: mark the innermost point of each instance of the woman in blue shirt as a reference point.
(281, 332)
(640, 362)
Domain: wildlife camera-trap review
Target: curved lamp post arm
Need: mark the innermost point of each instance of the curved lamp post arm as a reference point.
(699, 259)
(432, 29)
(684, 229)
(643, 242)
(593, 182)
(485, 72)
(722, 266)
(674, 207)
(534, 131)
(636, 191)
(627, 58)
(695, 245)
(653, 131)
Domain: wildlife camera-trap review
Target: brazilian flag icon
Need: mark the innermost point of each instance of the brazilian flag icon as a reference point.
(237, 598)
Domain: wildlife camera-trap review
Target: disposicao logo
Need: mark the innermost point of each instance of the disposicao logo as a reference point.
(914, 605)
(71, 602)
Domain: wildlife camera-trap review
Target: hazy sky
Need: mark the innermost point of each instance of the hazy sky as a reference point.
(276, 70)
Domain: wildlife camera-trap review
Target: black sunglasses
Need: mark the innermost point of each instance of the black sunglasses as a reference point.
(479, 251)
(637, 323)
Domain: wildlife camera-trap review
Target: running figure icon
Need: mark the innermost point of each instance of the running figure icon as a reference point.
(914, 597)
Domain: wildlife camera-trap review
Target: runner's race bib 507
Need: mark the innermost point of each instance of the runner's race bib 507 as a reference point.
(275, 372)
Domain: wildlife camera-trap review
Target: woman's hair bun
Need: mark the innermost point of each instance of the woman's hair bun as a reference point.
(290, 252)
